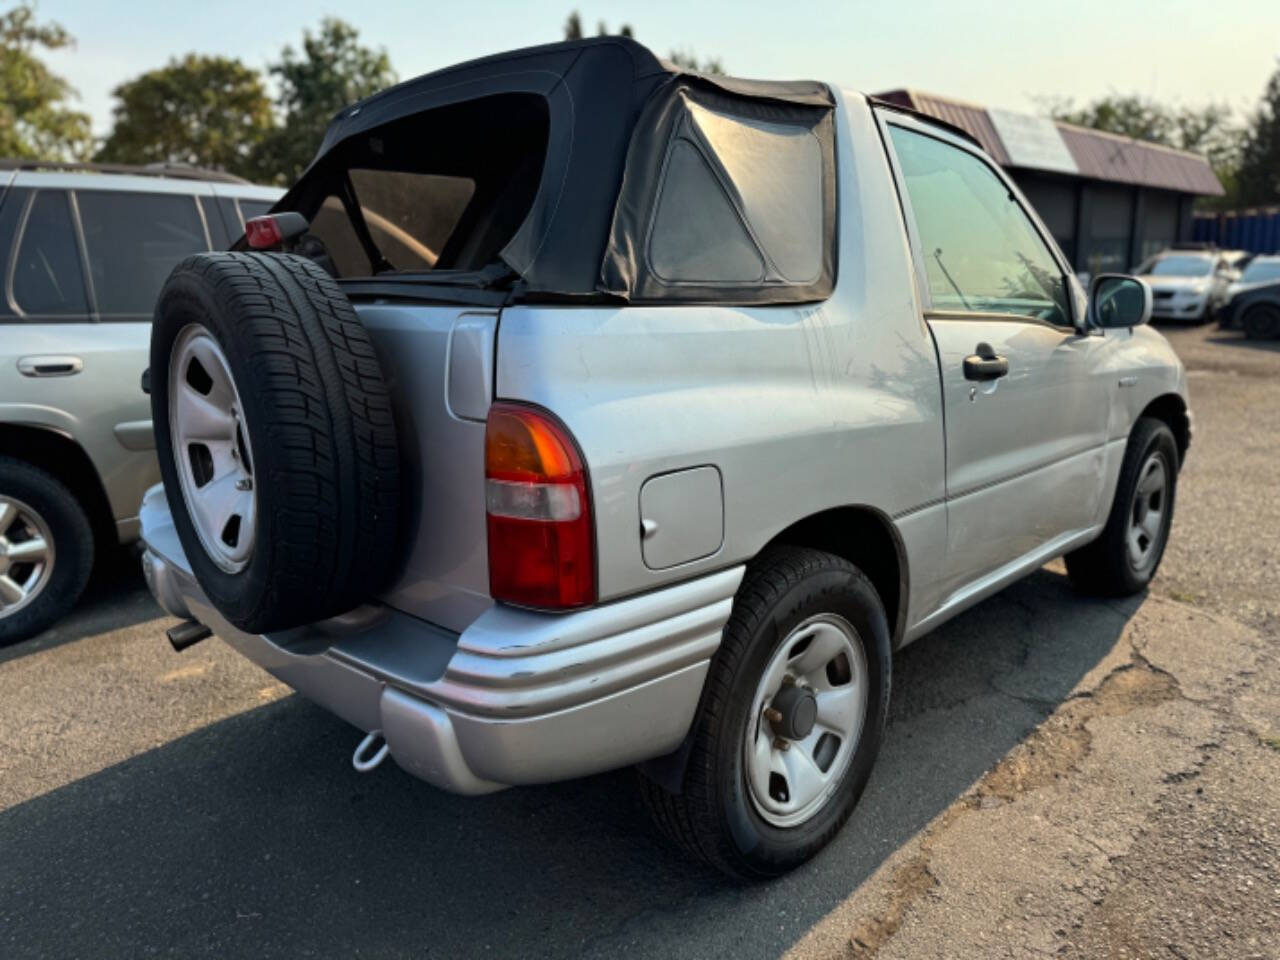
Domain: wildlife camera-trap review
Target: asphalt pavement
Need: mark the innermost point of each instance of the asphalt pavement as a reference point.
(1061, 776)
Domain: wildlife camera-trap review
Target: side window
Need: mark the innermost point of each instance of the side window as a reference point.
(253, 208)
(133, 241)
(47, 280)
(758, 219)
(981, 252)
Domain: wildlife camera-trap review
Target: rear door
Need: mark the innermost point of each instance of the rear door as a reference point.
(1024, 399)
(132, 239)
(84, 268)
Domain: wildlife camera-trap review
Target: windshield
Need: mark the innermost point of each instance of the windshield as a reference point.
(1261, 271)
(1181, 267)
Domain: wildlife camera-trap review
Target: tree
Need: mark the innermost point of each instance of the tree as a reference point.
(1258, 176)
(35, 121)
(573, 28)
(681, 58)
(689, 61)
(204, 111)
(332, 71)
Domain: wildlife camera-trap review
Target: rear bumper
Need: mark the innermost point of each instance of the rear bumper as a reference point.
(518, 697)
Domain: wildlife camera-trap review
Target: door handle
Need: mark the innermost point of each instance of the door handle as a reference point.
(52, 366)
(984, 364)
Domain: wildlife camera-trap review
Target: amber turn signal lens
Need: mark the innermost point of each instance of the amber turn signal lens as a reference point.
(541, 545)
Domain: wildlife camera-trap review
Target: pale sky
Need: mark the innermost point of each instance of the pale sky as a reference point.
(994, 54)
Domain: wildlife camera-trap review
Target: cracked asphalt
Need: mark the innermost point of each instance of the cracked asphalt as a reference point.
(1062, 776)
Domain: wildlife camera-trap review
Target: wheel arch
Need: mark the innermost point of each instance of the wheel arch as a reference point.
(1256, 305)
(864, 536)
(1172, 410)
(867, 538)
(58, 454)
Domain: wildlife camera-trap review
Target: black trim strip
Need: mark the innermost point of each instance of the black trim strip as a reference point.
(936, 501)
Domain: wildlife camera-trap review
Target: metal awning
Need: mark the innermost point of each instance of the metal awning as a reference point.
(1097, 155)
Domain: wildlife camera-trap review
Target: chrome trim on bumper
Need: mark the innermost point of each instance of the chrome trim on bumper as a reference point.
(519, 697)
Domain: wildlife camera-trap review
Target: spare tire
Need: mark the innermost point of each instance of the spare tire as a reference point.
(275, 437)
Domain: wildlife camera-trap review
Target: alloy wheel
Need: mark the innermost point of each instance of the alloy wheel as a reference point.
(26, 555)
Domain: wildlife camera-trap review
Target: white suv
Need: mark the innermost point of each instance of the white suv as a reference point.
(83, 253)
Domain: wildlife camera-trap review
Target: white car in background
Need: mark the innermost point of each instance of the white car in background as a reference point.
(83, 252)
(1187, 284)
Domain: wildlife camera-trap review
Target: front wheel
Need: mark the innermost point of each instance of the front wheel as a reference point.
(1262, 322)
(1125, 557)
(791, 719)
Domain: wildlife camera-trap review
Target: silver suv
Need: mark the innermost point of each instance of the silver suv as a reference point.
(574, 411)
(83, 253)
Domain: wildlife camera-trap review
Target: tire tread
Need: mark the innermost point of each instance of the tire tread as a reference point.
(692, 819)
(334, 483)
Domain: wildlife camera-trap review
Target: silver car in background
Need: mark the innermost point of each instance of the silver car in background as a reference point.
(83, 253)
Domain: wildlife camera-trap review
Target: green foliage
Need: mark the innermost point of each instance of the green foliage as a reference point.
(1210, 130)
(332, 71)
(204, 111)
(1258, 176)
(573, 28)
(35, 121)
(681, 58)
(687, 60)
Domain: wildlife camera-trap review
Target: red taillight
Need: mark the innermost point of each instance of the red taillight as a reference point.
(538, 510)
(263, 233)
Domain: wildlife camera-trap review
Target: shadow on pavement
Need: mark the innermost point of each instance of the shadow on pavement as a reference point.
(116, 597)
(253, 836)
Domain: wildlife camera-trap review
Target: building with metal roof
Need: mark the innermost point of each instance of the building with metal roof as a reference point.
(1110, 201)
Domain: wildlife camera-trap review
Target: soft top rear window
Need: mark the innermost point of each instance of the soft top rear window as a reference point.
(445, 189)
(726, 197)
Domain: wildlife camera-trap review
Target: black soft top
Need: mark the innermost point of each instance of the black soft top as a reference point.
(597, 92)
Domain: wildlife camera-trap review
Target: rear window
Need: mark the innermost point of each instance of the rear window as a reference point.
(446, 189)
(134, 240)
(411, 215)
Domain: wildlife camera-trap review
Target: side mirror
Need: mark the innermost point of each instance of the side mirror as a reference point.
(1116, 300)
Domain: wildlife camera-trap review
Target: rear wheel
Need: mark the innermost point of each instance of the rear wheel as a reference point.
(1262, 322)
(1125, 557)
(791, 719)
(46, 550)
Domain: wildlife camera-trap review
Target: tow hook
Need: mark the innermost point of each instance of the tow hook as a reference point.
(366, 757)
(187, 634)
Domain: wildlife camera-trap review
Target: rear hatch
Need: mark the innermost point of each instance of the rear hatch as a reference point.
(412, 218)
(438, 362)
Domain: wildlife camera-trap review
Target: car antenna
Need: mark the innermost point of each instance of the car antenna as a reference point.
(937, 255)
